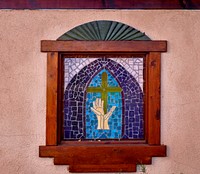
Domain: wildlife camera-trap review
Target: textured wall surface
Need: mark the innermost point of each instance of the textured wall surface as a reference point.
(23, 80)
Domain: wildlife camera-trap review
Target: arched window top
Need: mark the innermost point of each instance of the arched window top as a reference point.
(104, 30)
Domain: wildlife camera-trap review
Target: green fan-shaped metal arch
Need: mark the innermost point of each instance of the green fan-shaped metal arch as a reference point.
(104, 30)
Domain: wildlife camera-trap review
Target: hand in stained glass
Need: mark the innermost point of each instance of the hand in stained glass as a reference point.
(98, 109)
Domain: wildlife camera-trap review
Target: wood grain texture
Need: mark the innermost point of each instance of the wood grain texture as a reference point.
(51, 113)
(63, 160)
(102, 168)
(114, 159)
(153, 97)
(103, 46)
(60, 93)
(91, 158)
(130, 150)
(99, 4)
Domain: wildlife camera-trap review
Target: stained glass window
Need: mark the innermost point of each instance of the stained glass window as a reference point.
(103, 98)
(103, 102)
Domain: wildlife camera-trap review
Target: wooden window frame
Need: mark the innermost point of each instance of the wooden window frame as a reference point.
(105, 156)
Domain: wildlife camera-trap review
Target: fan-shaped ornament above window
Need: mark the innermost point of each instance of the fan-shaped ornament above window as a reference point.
(103, 98)
(104, 30)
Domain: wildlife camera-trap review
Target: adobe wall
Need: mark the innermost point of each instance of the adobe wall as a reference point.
(23, 82)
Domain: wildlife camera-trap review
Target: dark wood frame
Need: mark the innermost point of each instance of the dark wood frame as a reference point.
(105, 156)
(100, 4)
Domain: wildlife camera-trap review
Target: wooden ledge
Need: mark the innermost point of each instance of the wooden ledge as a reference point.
(103, 46)
(81, 158)
(102, 168)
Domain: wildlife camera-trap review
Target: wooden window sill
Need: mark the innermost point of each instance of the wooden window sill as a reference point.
(102, 157)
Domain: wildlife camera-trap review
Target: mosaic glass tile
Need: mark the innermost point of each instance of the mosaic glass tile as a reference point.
(133, 65)
(95, 128)
(103, 98)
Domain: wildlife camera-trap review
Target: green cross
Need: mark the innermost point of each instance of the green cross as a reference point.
(104, 89)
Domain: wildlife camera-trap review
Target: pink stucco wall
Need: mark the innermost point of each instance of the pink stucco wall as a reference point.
(23, 80)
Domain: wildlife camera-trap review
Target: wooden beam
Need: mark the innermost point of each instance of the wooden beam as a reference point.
(108, 158)
(153, 95)
(102, 168)
(64, 160)
(51, 113)
(86, 152)
(60, 94)
(103, 46)
(99, 4)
